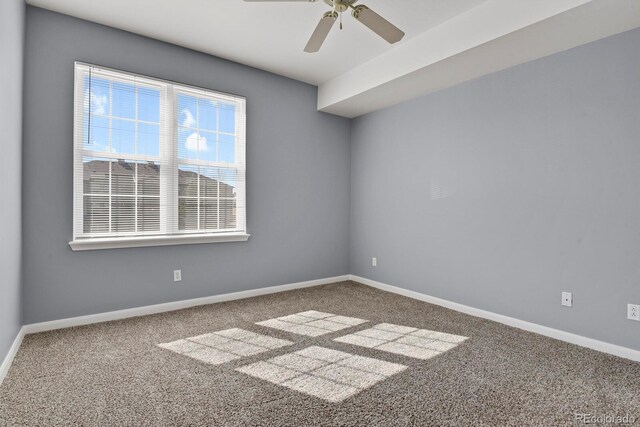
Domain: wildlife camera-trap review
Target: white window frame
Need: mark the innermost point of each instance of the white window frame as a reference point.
(169, 233)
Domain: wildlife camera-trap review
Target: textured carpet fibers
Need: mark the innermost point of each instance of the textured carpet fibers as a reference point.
(200, 366)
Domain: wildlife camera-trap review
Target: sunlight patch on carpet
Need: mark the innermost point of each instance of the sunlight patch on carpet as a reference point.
(224, 346)
(311, 323)
(404, 340)
(322, 372)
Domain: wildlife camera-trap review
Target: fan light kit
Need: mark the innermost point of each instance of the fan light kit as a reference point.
(362, 13)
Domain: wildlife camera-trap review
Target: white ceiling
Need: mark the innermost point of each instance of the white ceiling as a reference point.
(447, 41)
(270, 35)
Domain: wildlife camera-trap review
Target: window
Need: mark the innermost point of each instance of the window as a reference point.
(155, 162)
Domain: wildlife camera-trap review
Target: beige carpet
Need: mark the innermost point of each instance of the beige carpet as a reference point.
(342, 354)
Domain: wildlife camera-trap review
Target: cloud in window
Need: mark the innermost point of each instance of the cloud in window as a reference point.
(188, 121)
(98, 103)
(196, 142)
(97, 146)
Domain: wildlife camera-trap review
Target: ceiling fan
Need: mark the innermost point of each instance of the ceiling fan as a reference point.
(362, 13)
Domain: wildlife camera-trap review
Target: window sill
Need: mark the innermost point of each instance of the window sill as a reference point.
(143, 241)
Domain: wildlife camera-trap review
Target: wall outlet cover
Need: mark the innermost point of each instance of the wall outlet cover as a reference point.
(633, 312)
(374, 262)
(177, 275)
(567, 299)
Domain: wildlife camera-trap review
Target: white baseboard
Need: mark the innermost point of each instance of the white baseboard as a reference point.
(171, 306)
(593, 344)
(6, 363)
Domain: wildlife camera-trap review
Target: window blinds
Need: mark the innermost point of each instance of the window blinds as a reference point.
(154, 157)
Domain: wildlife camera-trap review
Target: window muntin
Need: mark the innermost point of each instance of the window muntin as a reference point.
(155, 158)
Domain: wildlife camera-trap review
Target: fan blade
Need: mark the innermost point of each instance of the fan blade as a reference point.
(378, 24)
(321, 32)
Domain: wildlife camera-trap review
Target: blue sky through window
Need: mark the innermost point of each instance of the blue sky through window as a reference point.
(123, 136)
(148, 139)
(207, 114)
(226, 148)
(124, 118)
(207, 129)
(227, 118)
(148, 104)
(124, 100)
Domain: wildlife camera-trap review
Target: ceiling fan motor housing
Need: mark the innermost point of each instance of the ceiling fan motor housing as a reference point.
(340, 5)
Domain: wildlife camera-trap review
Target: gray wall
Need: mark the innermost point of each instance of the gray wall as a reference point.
(298, 170)
(504, 191)
(11, 52)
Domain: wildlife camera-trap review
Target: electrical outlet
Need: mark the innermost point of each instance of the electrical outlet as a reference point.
(374, 262)
(567, 299)
(633, 312)
(177, 275)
